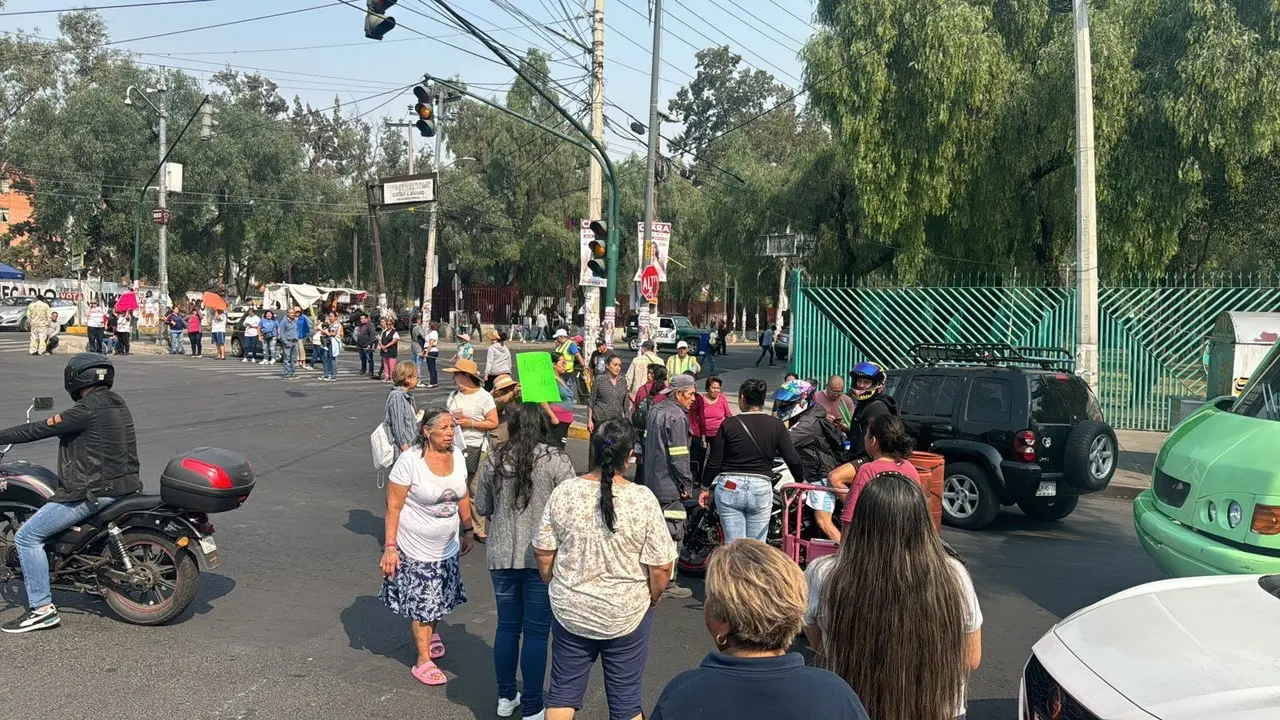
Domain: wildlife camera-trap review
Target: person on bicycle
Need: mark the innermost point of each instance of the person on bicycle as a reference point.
(97, 465)
(868, 388)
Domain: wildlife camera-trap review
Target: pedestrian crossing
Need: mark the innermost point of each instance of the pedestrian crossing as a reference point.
(13, 342)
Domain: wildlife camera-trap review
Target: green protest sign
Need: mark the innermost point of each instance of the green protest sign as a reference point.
(537, 377)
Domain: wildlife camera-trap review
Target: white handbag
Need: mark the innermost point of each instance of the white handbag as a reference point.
(383, 451)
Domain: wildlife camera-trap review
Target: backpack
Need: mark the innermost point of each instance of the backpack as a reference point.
(380, 444)
(640, 418)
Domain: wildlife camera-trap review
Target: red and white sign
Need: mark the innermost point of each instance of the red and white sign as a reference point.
(160, 216)
(649, 284)
(660, 248)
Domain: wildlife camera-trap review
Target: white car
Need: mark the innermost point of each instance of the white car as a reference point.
(1199, 647)
(13, 311)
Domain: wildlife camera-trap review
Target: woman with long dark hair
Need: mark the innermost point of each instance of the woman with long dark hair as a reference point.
(604, 547)
(894, 613)
(512, 489)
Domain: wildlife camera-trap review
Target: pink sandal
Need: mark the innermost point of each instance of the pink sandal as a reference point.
(428, 674)
(436, 651)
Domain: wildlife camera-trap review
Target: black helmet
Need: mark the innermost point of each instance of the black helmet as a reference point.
(87, 370)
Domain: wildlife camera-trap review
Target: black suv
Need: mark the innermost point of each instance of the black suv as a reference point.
(1015, 425)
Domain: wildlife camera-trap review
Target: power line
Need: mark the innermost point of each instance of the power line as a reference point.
(729, 37)
(763, 24)
(788, 11)
(105, 7)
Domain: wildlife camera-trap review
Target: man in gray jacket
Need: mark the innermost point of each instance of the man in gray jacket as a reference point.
(666, 459)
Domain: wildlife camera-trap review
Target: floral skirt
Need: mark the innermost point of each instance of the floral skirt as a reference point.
(424, 591)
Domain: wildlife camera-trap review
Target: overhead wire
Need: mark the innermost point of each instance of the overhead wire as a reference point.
(776, 32)
(714, 42)
(103, 7)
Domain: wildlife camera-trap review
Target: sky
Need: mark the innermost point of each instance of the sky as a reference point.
(320, 51)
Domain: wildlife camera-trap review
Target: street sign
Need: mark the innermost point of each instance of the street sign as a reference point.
(649, 284)
(409, 189)
(160, 216)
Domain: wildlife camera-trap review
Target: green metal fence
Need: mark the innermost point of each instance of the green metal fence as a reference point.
(1152, 332)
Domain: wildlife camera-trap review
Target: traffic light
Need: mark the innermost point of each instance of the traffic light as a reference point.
(376, 21)
(599, 249)
(207, 122)
(426, 123)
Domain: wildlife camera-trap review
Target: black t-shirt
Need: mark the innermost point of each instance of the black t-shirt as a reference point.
(733, 451)
(732, 688)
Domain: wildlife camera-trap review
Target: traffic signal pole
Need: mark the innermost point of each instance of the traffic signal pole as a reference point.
(595, 190)
(597, 147)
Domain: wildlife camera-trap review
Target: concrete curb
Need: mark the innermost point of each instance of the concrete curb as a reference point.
(1124, 493)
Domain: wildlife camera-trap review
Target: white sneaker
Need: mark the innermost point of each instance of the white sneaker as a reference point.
(540, 715)
(507, 708)
(244, 360)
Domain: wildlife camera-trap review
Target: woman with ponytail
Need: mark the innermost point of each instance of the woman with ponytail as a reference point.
(604, 547)
(512, 489)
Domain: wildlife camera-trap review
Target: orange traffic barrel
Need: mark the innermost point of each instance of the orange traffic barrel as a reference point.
(931, 469)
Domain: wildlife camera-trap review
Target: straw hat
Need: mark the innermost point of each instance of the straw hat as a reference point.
(466, 367)
(502, 382)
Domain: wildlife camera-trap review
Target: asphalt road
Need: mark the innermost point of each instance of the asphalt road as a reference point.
(290, 626)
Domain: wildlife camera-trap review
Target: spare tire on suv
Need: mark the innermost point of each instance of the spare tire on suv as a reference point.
(1090, 455)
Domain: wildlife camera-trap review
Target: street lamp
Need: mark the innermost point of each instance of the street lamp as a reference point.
(456, 161)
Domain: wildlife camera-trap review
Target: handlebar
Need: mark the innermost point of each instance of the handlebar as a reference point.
(9, 447)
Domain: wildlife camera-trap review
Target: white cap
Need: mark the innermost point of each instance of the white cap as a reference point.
(682, 344)
(561, 333)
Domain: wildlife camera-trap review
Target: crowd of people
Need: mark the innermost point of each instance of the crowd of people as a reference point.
(580, 561)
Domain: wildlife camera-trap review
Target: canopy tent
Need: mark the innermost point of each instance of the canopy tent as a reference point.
(10, 273)
(280, 296)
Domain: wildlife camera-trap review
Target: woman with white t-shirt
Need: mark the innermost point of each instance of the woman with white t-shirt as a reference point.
(124, 332)
(432, 353)
(476, 413)
(218, 329)
(894, 613)
(428, 526)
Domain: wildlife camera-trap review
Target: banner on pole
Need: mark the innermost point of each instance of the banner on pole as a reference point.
(659, 250)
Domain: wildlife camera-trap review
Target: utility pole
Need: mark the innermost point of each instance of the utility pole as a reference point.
(163, 182)
(429, 273)
(595, 184)
(1086, 207)
(355, 260)
(371, 190)
(651, 168)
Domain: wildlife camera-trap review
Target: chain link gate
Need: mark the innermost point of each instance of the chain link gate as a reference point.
(1152, 333)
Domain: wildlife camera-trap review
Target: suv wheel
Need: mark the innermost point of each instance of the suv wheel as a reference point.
(968, 501)
(1048, 509)
(1090, 455)
(634, 343)
(237, 350)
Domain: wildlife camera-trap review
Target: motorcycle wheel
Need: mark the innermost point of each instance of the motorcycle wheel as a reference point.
(167, 578)
(696, 550)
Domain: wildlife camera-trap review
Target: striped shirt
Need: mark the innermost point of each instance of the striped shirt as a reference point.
(400, 419)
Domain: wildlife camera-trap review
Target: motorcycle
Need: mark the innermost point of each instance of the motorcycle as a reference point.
(703, 533)
(143, 554)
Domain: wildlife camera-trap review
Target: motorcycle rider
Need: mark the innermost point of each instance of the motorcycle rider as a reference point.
(868, 388)
(97, 464)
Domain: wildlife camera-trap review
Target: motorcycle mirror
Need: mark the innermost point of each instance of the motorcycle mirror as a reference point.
(42, 403)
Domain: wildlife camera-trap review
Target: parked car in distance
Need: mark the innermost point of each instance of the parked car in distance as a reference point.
(782, 344)
(1015, 426)
(671, 330)
(1214, 503)
(13, 312)
(1200, 647)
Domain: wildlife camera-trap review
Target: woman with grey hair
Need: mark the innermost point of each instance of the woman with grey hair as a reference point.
(400, 415)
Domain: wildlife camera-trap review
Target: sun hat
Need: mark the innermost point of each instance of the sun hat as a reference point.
(502, 382)
(464, 337)
(466, 367)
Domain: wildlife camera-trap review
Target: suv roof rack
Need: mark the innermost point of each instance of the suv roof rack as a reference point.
(993, 354)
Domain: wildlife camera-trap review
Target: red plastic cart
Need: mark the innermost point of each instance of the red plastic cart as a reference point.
(796, 547)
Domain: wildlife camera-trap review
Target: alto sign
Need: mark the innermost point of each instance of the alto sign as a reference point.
(649, 284)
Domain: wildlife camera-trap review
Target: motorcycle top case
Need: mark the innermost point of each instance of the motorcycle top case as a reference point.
(209, 480)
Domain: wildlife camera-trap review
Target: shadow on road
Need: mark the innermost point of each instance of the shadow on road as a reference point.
(372, 627)
(992, 709)
(363, 522)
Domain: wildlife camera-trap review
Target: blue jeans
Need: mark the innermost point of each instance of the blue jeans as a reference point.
(523, 605)
(290, 355)
(708, 363)
(48, 521)
(367, 365)
(175, 342)
(744, 509)
(330, 364)
(250, 347)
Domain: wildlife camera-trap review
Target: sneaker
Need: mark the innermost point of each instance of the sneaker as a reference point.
(676, 592)
(507, 708)
(244, 360)
(42, 619)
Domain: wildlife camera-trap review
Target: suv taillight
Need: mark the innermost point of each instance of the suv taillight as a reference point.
(1024, 446)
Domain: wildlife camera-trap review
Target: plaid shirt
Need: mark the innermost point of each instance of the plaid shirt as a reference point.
(608, 400)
